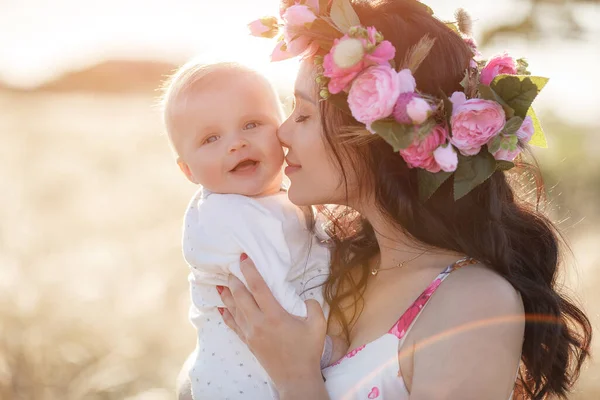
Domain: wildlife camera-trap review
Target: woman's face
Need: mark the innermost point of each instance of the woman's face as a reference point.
(315, 175)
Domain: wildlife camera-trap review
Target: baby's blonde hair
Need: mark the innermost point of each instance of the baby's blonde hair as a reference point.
(193, 75)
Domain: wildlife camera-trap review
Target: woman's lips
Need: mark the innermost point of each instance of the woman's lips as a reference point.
(292, 167)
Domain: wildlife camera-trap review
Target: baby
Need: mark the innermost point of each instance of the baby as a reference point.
(222, 121)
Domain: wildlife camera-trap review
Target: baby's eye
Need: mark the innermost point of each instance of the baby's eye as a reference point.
(210, 139)
(250, 125)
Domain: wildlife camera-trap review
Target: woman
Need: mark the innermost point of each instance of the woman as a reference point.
(496, 327)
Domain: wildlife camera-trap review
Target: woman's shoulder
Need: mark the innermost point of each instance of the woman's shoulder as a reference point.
(480, 282)
(477, 290)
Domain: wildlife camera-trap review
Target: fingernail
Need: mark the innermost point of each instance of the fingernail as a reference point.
(220, 289)
(221, 310)
(243, 256)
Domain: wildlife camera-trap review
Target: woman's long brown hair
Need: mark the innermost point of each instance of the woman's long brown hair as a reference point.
(508, 233)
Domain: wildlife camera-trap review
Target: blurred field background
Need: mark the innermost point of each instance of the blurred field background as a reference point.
(93, 291)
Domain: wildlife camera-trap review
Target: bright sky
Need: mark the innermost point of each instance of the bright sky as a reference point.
(40, 39)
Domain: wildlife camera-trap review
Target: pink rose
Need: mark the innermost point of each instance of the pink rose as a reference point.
(446, 157)
(373, 94)
(347, 59)
(511, 146)
(503, 64)
(418, 110)
(295, 18)
(410, 108)
(508, 147)
(400, 109)
(340, 78)
(407, 81)
(257, 28)
(264, 27)
(526, 131)
(506, 155)
(298, 15)
(383, 52)
(314, 4)
(469, 41)
(474, 122)
(420, 153)
(296, 44)
(280, 53)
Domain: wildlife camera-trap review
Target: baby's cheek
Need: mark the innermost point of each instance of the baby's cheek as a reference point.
(211, 177)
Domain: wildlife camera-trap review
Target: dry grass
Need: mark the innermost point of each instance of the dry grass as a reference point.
(93, 294)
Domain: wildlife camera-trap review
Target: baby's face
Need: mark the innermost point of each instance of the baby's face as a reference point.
(226, 136)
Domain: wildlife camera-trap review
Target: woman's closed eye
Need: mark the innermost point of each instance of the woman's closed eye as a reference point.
(301, 118)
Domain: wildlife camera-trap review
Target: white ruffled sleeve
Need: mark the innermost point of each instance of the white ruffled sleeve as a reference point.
(231, 225)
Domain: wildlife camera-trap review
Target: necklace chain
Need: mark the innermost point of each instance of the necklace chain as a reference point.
(375, 270)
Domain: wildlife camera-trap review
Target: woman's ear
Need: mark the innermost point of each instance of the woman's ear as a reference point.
(186, 171)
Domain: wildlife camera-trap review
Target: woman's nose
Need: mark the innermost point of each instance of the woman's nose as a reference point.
(282, 135)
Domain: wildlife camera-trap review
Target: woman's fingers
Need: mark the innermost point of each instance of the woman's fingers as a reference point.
(230, 322)
(245, 306)
(232, 309)
(228, 300)
(262, 295)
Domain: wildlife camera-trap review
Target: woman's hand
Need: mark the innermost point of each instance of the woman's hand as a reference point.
(288, 347)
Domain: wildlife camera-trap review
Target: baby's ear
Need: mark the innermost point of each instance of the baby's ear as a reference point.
(186, 171)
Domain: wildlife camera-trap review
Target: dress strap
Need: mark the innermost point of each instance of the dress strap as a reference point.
(403, 325)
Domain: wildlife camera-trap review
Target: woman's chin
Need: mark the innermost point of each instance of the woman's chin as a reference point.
(300, 197)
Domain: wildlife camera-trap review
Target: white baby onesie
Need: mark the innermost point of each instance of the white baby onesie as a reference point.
(272, 231)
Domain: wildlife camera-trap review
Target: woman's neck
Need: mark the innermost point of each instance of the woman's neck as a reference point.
(395, 245)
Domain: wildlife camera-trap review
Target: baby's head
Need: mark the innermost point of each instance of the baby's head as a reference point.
(222, 122)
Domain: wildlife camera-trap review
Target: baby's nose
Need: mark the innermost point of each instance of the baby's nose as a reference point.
(237, 144)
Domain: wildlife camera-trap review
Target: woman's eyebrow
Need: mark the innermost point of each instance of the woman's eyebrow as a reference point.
(303, 96)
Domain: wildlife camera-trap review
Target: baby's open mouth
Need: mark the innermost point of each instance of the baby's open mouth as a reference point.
(245, 165)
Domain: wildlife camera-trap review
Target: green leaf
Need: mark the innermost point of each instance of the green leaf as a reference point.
(430, 182)
(323, 6)
(538, 139)
(487, 93)
(453, 26)
(465, 82)
(472, 171)
(518, 91)
(397, 135)
(512, 126)
(427, 8)
(270, 34)
(343, 15)
(425, 128)
(494, 144)
(447, 110)
(340, 100)
(502, 165)
(269, 22)
(323, 28)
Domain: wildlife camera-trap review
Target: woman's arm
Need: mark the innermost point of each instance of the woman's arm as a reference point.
(288, 347)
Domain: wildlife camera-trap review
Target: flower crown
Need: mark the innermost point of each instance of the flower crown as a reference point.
(469, 135)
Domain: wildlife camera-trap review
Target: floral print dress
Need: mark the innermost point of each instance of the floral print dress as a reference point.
(371, 371)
